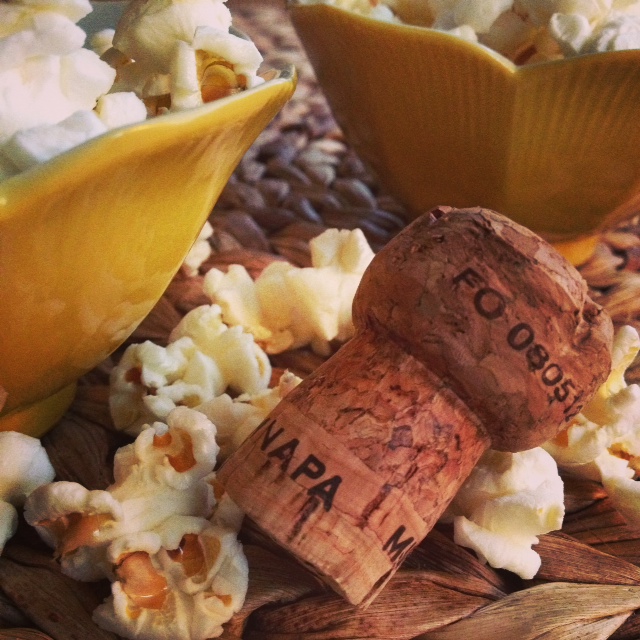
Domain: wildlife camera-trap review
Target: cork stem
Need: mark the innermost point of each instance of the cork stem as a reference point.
(357, 464)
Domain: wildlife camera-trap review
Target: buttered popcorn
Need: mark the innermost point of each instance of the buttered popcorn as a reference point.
(164, 533)
(524, 31)
(164, 55)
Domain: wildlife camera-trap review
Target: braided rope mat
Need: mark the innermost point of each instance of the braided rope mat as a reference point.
(297, 180)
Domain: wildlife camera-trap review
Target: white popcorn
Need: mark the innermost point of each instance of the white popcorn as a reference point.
(176, 567)
(571, 31)
(203, 359)
(603, 441)
(22, 15)
(25, 466)
(33, 146)
(148, 31)
(621, 32)
(244, 366)
(237, 418)
(508, 500)
(48, 83)
(74, 10)
(622, 489)
(57, 87)
(289, 307)
(120, 109)
(216, 64)
(199, 252)
(513, 552)
(202, 324)
(185, 79)
(50, 34)
(525, 31)
(150, 381)
(241, 53)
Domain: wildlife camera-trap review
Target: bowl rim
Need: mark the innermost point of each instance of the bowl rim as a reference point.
(165, 125)
(474, 48)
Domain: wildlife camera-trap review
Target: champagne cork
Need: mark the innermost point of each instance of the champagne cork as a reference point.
(471, 332)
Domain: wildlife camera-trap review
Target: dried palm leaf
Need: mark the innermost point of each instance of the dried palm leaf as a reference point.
(23, 634)
(556, 610)
(564, 559)
(413, 602)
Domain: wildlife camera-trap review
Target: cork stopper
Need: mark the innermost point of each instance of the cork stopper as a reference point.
(471, 332)
(495, 312)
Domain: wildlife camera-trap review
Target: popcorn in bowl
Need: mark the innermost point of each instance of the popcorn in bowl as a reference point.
(163, 56)
(525, 31)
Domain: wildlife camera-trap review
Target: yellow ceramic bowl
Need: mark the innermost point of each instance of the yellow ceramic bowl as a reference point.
(444, 121)
(90, 240)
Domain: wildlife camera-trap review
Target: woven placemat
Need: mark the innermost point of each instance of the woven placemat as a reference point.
(298, 179)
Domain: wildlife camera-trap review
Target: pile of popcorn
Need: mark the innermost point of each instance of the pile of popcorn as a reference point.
(165, 533)
(525, 31)
(163, 56)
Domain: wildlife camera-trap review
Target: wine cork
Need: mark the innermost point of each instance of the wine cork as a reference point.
(471, 332)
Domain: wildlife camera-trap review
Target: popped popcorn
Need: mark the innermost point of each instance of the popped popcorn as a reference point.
(164, 55)
(203, 359)
(25, 466)
(163, 533)
(148, 31)
(506, 503)
(525, 31)
(199, 252)
(29, 147)
(603, 442)
(236, 418)
(180, 54)
(44, 84)
(287, 307)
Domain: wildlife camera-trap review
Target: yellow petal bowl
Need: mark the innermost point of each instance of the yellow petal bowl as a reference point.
(90, 240)
(439, 120)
